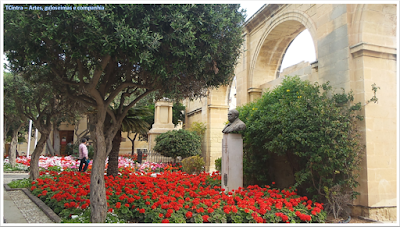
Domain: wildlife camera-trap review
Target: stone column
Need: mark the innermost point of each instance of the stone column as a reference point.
(254, 93)
(232, 162)
(162, 121)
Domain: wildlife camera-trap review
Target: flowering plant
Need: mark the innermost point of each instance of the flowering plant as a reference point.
(175, 197)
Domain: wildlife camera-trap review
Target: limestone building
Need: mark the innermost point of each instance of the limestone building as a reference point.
(356, 46)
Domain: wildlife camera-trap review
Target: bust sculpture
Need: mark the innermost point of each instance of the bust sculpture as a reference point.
(235, 124)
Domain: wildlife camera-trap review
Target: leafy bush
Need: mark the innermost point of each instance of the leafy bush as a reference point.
(199, 128)
(18, 167)
(312, 127)
(218, 164)
(176, 143)
(194, 164)
(20, 183)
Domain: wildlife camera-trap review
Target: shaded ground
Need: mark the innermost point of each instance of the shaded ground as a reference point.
(354, 219)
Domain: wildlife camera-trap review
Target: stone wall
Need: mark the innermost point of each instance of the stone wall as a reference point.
(355, 46)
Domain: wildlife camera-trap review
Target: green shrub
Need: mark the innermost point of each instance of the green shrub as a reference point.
(176, 143)
(194, 164)
(199, 128)
(18, 167)
(218, 164)
(313, 127)
(20, 183)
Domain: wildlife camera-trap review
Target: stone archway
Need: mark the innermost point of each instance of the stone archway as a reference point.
(356, 46)
(269, 52)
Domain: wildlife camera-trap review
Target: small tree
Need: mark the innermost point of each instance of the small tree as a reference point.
(42, 104)
(125, 50)
(313, 127)
(13, 120)
(178, 143)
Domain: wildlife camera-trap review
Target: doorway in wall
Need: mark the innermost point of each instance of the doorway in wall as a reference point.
(66, 137)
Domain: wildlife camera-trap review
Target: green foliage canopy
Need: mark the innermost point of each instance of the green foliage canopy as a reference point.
(309, 123)
(176, 48)
(176, 143)
(124, 51)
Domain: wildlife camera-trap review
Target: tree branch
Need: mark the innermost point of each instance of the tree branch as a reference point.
(97, 73)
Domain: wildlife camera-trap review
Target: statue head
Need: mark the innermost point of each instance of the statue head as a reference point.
(233, 115)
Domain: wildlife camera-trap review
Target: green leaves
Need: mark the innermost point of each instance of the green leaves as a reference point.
(176, 143)
(166, 44)
(309, 123)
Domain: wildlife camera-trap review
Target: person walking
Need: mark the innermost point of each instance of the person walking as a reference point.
(83, 156)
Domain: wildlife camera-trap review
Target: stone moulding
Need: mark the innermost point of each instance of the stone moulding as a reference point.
(372, 50)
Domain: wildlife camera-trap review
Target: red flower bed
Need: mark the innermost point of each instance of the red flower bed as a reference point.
(176, 197)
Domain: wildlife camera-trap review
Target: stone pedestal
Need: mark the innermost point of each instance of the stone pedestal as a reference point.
(232, 162)
(162, 121)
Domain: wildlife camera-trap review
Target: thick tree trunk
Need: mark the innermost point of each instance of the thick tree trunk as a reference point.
(5, 131)
(98, 201)
(112, 169)
(49, 147)
(34, 164)
(13, 147)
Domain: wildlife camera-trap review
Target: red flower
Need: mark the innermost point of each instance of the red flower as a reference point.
(142, 211)
(210, 210)
(165, 221)
(127, 205)
(259, 220)
(234, 209)
(160, 215)
(189, 214)
(118, 205)
(205, 218)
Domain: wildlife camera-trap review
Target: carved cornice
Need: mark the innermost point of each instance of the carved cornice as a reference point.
(218, 106)
(254, 90)
(372, 50)
(194, 111)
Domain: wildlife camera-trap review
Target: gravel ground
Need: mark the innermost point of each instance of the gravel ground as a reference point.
(31, 212)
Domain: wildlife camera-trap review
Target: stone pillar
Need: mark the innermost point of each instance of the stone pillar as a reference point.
(254, 93)
(232, 162)
(162, 121)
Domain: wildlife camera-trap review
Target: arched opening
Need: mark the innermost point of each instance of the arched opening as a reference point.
(271, 49)
(300, 49)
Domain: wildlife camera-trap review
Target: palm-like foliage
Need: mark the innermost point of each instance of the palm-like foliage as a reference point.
(133, 122)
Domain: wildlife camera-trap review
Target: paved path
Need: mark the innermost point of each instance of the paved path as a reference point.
(18, 207)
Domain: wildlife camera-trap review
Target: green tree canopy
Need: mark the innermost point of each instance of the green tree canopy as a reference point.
(123, 51)
(13, 120)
